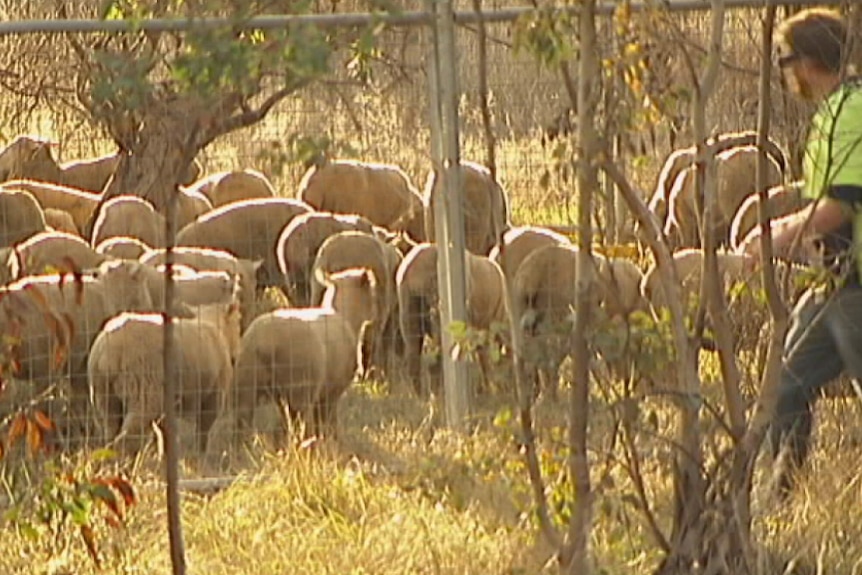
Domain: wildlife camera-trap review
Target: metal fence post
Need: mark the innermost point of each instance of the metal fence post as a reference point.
(448, 214)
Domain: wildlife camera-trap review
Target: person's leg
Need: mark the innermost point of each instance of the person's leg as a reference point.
(812, 359)
(844, 317)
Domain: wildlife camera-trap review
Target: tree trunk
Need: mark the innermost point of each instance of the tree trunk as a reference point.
(157, 153)
(159, 156)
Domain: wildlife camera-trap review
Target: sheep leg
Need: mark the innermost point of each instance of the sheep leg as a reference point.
(206, 411)
(106, 421)
(326, 417)
(484, 368)
(144, 404)
(133, 433)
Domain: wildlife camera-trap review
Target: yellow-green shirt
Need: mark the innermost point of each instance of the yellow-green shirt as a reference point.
(832, 163)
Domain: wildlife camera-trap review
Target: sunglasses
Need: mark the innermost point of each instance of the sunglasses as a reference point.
(787, 60)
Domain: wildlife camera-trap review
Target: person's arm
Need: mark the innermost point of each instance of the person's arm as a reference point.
(820, 217)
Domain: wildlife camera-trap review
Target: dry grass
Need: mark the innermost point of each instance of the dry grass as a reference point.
(399, 495)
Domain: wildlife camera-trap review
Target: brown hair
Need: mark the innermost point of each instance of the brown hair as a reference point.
(819, 34)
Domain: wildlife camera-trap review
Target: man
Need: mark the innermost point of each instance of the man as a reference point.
(825, 336)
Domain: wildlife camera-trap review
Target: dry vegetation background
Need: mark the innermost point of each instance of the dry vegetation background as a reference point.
(396, 496)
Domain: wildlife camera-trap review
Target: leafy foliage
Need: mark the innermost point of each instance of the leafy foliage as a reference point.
(66, 500)
(219, 77)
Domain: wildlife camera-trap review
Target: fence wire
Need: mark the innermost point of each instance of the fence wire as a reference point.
(381, 118)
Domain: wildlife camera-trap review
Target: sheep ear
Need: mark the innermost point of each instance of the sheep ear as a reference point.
(255, 265)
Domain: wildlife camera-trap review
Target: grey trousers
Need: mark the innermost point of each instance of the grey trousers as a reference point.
(824, 340)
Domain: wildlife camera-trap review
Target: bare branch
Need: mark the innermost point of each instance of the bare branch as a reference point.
(252, 116)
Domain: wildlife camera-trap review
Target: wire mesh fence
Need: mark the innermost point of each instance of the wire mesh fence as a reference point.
(248, 273)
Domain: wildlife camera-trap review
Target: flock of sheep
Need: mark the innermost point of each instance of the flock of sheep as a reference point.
(353, 254)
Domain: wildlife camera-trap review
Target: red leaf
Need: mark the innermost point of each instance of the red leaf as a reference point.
(112, 521)
(43, 421)
(90, 541)
(18, 428)
(126, 490)
(35, 437)
(102, 491)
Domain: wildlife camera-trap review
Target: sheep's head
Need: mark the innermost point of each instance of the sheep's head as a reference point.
(126, 285)
(355, 293)
(26, 157)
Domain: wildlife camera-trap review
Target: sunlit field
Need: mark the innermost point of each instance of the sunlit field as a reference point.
(396, 492)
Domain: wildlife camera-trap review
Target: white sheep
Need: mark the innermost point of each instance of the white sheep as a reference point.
(21, 216)
(735, 180)
(80, 204)
(204, 259)
(126, 371)
(129, 216)
(416, 281)
(382, 193)
(249, 229)
(48, 252)
(485, 204)
(49, 322)
(306, 358)
(225, 187)
(298, 245)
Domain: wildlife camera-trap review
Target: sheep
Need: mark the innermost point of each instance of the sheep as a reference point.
(486, 208)
(21, 216)
(48, 323)
(735, 169)
(298, 244)
(680, 159)
(190, 206)
(192, 288)
(747, 312)
(248, 229)
(90, 174)
(519, 242)
(204, 259)
(382, 193)
(125, 371)
(306, 358)
(79, 204)
(48, 252)
(352, 249)
(355, 249)
(93, 174)
(619, 281)
(129, 216)
(543, 300)
(781, 201)
(60, 221)
(227, 187)
(416, 284)
(31, 157)
(123, 247)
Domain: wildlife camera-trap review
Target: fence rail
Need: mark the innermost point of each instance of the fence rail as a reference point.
(413, 18)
